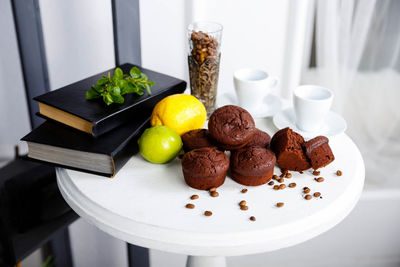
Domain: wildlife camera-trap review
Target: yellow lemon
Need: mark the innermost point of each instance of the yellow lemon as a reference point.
(179, 112)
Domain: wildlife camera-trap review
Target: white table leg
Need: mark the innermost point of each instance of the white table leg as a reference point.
(202, 261)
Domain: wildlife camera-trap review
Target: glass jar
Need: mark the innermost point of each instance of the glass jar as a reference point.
(203, 57)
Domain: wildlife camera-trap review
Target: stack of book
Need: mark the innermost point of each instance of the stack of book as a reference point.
(88, 135)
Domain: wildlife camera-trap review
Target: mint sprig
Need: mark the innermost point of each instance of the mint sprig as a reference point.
(112, 88)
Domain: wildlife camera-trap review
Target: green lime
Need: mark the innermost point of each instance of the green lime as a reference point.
(159, 144)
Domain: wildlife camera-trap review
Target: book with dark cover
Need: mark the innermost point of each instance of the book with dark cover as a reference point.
(66, 147)
(68, 105)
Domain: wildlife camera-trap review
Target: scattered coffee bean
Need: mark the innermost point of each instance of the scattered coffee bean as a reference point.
(306, 190)
(315, 172)
(301, 172)
(190, 206)
(242, 203)
(244, 190)
(280, 204)
(319, 179)
(244, 207)
(288, 175)
(308, 197)
(194, 197)
(208, 213)
(281, 180)
(282, 186)
(214, 194)
(317, 194)
(271, 183)
(213, 189)
(284, 171)
(282, 175)
(339, 173)
(291, 185)
(276, 187)
(252, 218)
(275, 177)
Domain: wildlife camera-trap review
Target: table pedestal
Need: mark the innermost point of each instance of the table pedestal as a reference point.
(202, 261)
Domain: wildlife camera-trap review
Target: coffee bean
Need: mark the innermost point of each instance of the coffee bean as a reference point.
(244, 190)
(280, 204)
(271, 183)
(282, 175)
(339, 173)
(276, 187)
(190, 206)
(282, 186)
(244, 207)
(214, 194)
(275, 177)
(319, 179)
(194, 197)
(291, 185)
(288, 175)
(281, 180)
(242, 203)
(317, 194)
(315, 172)
(252, 218)
(213, 189)
(306, 190)
(208, 213)
(308, 197)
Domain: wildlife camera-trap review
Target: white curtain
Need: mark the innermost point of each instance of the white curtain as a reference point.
(357, 45)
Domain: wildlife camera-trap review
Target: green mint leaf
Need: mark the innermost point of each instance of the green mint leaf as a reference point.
(102, 81)
(143, 76)
(118, 74)
(151, 83)
(117, 98)
(92, 93)
(107, 98)
(135, 73)
(148, 89)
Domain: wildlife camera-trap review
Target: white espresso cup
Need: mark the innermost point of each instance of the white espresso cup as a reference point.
(311, 105)
(251, 86)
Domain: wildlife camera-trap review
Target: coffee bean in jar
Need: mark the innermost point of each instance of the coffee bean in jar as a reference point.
(204, 58)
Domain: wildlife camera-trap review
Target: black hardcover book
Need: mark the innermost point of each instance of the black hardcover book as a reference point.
(63, 146)
(68, 105)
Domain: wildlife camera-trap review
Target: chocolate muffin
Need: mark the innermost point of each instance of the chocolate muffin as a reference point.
(319, 152)
(205, 168)
(252, 165)
(196, 139)
(231, 127)
(288, 148)
(259, 138)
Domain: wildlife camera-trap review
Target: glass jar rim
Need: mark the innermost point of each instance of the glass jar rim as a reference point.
(191, 27)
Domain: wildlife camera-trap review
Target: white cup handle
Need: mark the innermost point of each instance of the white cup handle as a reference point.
(274, 81)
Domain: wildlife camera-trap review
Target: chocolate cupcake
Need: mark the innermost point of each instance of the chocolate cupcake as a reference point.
(205, 168)
(231, 127)
(196, 139)
(319, 152)
(288, 148)
(252, 166)
(260, 138)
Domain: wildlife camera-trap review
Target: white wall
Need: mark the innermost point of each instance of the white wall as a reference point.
(14, 120)
(254, 35)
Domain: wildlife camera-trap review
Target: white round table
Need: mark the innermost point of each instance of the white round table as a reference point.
(145, 205)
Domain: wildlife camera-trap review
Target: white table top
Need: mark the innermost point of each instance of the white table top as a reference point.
(145, 205)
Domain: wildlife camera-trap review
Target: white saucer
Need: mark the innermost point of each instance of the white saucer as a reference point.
(271, 104)
(334, 124)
